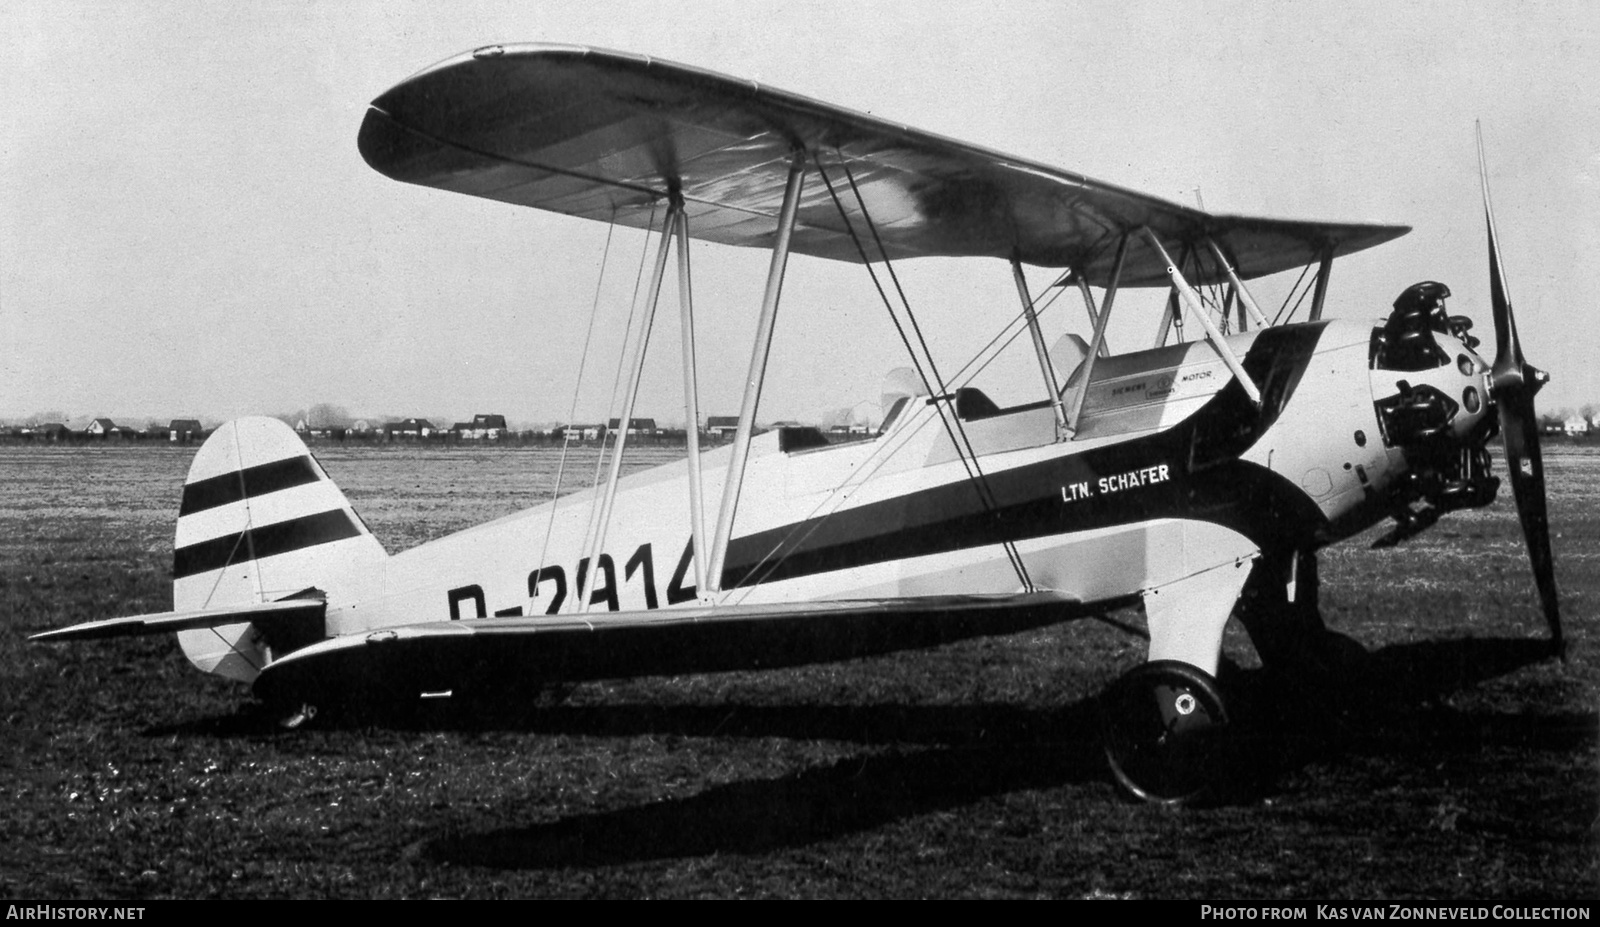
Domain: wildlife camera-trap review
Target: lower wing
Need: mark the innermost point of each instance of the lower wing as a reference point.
(528, 652)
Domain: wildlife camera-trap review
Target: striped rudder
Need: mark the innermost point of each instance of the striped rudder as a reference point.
(261, 521)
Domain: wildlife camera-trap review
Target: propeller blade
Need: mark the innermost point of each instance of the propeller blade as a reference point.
(1507, 346)
(1515, 382)
(1520, 427)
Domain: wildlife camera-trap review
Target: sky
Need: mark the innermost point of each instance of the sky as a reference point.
(188, 230)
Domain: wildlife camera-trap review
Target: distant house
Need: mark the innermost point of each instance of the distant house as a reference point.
(51, 431)
(361, 427)
(183, 430)
(481, 428)
(852, 431)
(636, 426)
(587, 432)
(722, 426)
(100, 427)
(1576, 426)
(410, 428)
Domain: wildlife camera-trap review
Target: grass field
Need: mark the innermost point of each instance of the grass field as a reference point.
(1451, 762)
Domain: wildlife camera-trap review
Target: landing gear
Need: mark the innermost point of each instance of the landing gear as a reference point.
(1166, 731)
(295, 719)
(1280, 610)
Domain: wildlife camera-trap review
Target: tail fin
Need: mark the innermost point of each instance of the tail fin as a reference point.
(260, 522)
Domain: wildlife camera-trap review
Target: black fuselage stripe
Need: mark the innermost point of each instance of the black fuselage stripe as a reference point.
(1205, 481)
(266, 541)
(248, 483)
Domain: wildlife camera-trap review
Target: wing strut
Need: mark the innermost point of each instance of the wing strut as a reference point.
(691, 402)
(1088, 304)
(1086, 370)
(1172, 315)
(758, 371)
(1062, 431)
(1239, 288)
(1230, 302)
(1324, 269)
(1192, 300)
(629, 396)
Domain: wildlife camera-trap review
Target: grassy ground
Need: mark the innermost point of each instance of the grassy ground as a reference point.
(1450, 762)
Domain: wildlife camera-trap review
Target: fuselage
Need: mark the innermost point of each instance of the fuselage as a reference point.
(1173, 467)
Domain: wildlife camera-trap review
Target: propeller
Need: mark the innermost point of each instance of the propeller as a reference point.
(1515, 382)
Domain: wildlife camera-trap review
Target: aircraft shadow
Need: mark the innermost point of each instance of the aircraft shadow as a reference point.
(949, 756)
(1387, 701)
(851, 795)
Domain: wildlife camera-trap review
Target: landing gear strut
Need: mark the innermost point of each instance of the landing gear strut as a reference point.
(1284, 621)
(1279, 609)
(1166, 730)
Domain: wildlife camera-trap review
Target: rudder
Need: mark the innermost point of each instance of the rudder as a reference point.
(260, 521)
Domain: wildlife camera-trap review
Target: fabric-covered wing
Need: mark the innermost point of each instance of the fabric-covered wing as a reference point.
(500, 654)
(606, 135)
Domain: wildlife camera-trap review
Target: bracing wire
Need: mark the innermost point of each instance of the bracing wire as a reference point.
(955, 431)
(572, 410)
(1016, 326)
(1309, 287)
(911, 317)
(882, 454)
(616, 384)
(1285, 307)
(1214, 301)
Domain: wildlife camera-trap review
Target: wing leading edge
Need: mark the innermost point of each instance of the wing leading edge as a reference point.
(607, 136)
(499, 654)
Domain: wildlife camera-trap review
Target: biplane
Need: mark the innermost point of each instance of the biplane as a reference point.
(1196, 478)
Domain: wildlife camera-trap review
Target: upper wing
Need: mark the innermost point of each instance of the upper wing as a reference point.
(497, 653)
(605, 135)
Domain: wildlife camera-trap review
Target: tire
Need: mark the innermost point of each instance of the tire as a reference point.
(1166, 731)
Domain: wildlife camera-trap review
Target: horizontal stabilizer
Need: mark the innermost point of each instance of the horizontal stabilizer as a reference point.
(487, 653)
(261, 614)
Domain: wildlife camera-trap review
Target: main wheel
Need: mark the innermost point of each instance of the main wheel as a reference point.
(1166, 730)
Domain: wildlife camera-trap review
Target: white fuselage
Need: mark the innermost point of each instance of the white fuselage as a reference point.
(531, 563)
